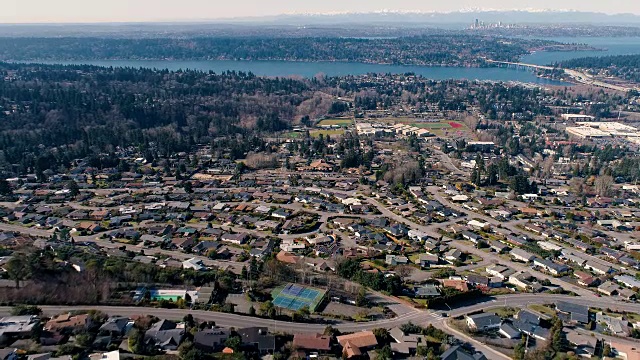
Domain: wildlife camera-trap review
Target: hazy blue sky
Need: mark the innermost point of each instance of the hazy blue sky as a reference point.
(17, 11)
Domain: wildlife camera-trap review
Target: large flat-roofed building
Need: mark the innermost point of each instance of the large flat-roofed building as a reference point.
(577, 117)
(592, 130)
(585, 132)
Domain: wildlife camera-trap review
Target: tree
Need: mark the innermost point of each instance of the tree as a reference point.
(331, 331)
(193, 354)
(557, 335)
(382, 335)
(303, 313)
(268, 309)
(5, 188)
(404, 271)
(17, 268)
(492, 175)
(604, 184)
(184, 348)
(385, 353)
(136, 341)
(21, 310)
(520, 350)
(476, 177)
(73, 188)
(84, 339)
(233, 342)
(361, 298)
(189, 321)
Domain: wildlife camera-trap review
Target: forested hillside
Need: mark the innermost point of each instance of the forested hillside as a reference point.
(455, 50)
(81, 110)
(623, 66)
(53, 114)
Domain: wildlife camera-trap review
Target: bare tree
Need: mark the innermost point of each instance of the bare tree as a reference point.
(576, 185)
(604, 185)
(547, 166)
(404, 271)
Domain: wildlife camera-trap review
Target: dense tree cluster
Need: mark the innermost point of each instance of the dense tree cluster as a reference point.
(437, 49)
(623, 66)
(53, 114)
(351, 269)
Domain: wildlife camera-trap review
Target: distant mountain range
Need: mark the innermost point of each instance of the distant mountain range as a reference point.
(459, 17)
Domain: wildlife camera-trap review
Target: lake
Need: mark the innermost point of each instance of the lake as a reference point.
(614, 46)
(310, 69)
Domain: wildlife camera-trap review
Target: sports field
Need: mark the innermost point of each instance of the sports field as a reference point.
(336, 121)
(330, 132)
(294, 297)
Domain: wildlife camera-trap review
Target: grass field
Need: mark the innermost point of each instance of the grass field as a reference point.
(542, 309)
(331, 132)
(504, 312)
(336, 121)
(428, 126)
(294, 135)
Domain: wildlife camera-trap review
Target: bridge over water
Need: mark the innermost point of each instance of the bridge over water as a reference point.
(578, 76)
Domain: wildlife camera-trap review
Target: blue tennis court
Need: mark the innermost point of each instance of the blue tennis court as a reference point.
(294, 297)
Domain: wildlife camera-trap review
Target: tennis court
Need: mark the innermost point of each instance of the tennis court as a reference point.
(294, 297)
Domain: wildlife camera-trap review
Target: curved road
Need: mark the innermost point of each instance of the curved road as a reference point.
(420, 317)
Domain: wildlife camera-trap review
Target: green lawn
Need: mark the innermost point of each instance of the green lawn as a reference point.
(542, 309)
(293, 135)
(504, 312)
(336, 121)
(332, 132)
(438, 125)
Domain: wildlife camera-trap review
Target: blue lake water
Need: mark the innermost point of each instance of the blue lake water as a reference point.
(310, 69)
(614, 46)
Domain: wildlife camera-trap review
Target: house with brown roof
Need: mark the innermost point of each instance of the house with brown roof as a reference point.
(459, 285)
(321, 165)
(68, 322)
(183, 243)
(100, 215)
(354, 345)
(527, 211)
(287, 257)
(315, 342)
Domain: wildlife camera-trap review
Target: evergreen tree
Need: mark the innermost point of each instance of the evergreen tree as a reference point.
(5, 188)
(74, 189)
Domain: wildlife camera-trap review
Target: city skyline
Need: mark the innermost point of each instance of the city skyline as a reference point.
(78, 11)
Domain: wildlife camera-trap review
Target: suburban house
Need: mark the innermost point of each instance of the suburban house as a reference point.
(483, 321)
(258, 338)
(577, 313)
(356, 344)
(312, 342)
(405, 344)
(237, 239)
(164, 335)
(67, 322)
(522, 255)
(211, 339)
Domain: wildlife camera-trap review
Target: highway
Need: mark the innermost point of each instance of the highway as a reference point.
(578, 76)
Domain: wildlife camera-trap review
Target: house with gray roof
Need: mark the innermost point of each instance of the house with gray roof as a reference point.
(483, 321)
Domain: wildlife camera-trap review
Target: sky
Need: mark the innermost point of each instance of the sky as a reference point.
(53, 11)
